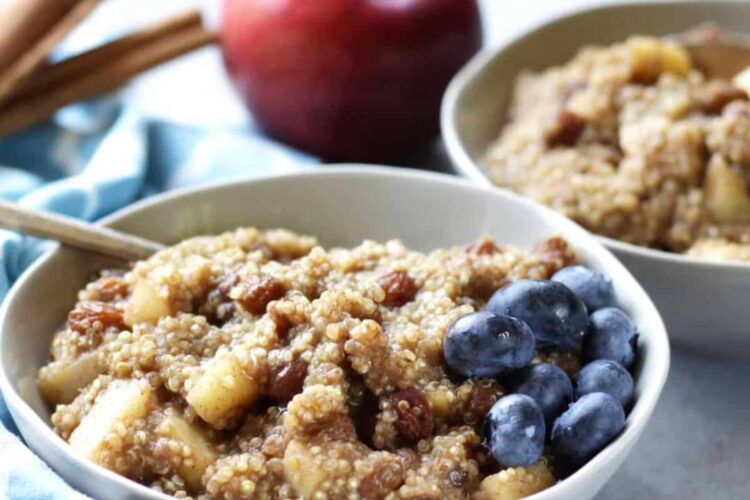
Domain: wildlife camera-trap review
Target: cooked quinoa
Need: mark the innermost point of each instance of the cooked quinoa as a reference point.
(635, 143)
(258, 364)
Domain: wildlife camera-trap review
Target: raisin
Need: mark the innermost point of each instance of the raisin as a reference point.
(568, 128)
(414, 414)
(283, 325)
(484, 394)
(483, 457)
(556, 253)
(287, 381)
(87, 314)
(482, 247)
(110, 288)
(482, 285)
(399, 288)
(258, 291)
(385, 478)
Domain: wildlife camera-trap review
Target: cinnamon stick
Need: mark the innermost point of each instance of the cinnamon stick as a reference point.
(102, 79)
(38, 51)
(24, 22)
(53, 75)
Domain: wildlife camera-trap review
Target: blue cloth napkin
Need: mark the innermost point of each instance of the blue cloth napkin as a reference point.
(93, 159)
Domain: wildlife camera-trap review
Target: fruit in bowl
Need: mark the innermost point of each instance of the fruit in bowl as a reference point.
(348, 79)
(542, 405)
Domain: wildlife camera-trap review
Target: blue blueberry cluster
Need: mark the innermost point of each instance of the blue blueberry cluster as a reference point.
(576, 310)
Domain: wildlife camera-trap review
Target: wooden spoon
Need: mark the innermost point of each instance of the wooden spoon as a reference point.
(75, 233)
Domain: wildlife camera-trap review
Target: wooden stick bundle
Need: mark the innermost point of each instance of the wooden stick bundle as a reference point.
(29, 59)
(38, 95)
(24, 23)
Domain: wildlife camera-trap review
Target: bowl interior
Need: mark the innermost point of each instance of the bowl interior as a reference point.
(475, 103)
(342, 206)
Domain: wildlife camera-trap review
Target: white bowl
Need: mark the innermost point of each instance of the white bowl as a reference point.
(342, 206)
(704, 303)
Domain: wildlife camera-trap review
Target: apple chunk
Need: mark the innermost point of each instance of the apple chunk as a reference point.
(222, 391)
(202, 453)
(60, 381)
(726, 193)
(742, 80)
(145, 305)
(121, 404)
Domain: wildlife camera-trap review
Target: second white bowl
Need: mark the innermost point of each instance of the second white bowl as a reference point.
(704, 304)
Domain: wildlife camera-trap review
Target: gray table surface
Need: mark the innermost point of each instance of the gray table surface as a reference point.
(697, 442)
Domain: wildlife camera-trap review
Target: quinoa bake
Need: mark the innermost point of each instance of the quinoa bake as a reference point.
(634, 142)
(259, 364)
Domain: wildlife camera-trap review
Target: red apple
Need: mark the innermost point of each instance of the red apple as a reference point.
(348, 79)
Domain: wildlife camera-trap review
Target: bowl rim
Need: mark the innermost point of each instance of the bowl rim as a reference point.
(462, 163)
(638, 417)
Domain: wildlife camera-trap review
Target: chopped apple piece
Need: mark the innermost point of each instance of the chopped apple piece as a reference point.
(202, 453)
(222, 390)
(726, 193)
(651, 57)
(742, 80)
(516, 482)
(145, 305)
(60, 381)
(121, 404)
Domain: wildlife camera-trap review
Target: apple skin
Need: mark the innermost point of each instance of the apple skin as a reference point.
(348, 79)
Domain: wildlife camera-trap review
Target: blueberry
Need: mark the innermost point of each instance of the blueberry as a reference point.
(593, 288)
(585, 428)
(548, 385)
(514, 429)
(605, 376)
(556, 316)
(611, 335)
(486, 345)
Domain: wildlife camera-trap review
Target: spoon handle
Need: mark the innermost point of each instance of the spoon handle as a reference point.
(75, 233)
